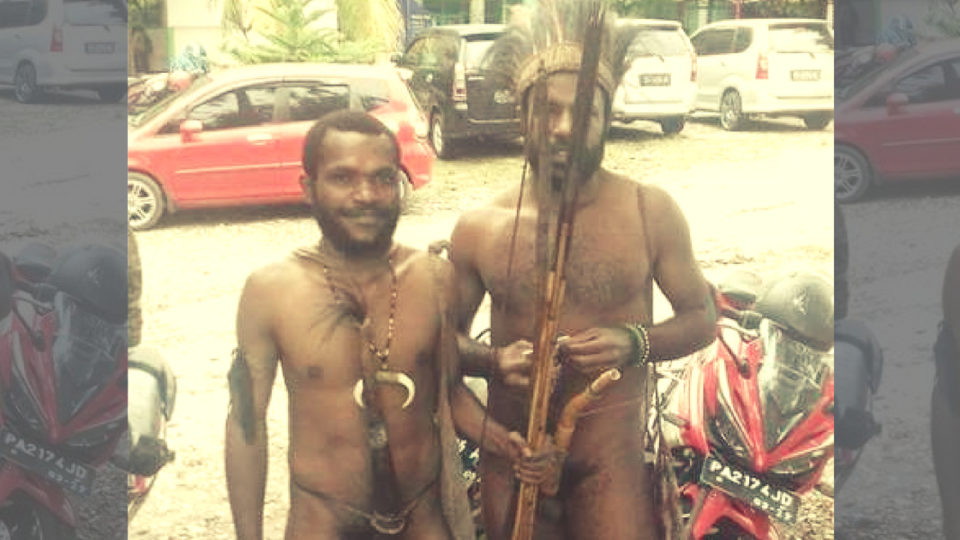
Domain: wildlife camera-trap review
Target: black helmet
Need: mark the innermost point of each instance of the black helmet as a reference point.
(96, 275)
(802, 303)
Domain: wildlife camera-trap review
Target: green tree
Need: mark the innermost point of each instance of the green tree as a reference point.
(291, 32)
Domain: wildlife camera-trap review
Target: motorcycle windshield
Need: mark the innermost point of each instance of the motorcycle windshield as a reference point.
(85, 353)
(790, 380)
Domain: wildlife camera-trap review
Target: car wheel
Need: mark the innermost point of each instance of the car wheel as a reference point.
(25, 83)
(111, 94)
(671, 126)
(817, 120)
(731, 111)
(439, 142)
(144, 201)
(406, 190)
(852, 176)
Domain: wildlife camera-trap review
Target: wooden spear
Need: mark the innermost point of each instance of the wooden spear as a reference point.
(557, 201)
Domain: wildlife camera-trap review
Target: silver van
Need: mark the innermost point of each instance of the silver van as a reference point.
(69, 44)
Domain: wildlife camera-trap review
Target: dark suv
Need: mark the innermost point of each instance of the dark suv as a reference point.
(442, 68)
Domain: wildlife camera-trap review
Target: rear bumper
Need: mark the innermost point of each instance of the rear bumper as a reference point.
(464, 127)
(55, 73)
(764, 102)
(651, 111)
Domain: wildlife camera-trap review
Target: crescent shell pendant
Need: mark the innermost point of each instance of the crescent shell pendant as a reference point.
(388, 377)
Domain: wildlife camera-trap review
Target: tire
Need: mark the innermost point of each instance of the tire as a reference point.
(145, 201)
(731, 111)
(817, 120)
(406, 190)
(112, 94)
(439, 141)
(852, 176)
(22, 518)
(672, 126)
(25, 87)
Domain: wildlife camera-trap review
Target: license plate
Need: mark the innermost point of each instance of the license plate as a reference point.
(99, 48)
(655, 79)
(746, 487)
(46, 463)
(805, 74)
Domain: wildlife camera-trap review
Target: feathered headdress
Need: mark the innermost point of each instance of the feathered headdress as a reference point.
(552, 31)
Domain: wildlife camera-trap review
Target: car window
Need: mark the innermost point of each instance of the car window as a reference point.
(257, 104)
(14, 14)
(94, 12)
(371, 93)
(306, 102)
(712, 42)
(653, 41)
(927, 85)
(742, 40)
(800, 37)
(474, 51)
(415, 52)
(221, 112)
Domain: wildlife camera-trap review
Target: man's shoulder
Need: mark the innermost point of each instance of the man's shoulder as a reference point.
(653, 198)
(276, 275)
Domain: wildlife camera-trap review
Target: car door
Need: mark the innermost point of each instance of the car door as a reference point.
(713, 46)
(94, 34)
(234, 158)
(299, 105)
(922, 137)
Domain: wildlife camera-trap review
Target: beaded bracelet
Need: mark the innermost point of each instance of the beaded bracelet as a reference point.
(641, 344)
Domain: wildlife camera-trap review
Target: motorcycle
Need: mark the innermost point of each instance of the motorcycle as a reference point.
(153, 390)
(859, 366)
(63, 365)
(149, 90)
(747, 427)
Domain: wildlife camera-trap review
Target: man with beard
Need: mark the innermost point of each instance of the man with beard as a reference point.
(945, 422)
(626, 236)
(360, 328)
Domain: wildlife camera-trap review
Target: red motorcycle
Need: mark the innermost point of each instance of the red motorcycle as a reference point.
(749, 424)
(63, 366)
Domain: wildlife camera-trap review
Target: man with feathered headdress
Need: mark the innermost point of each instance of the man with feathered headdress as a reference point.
(626, 236)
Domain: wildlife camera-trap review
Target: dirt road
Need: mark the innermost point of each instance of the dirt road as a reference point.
(760, 198)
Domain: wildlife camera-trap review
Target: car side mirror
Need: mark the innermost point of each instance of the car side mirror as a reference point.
(189, 129)
(395, 58)
(896, 102)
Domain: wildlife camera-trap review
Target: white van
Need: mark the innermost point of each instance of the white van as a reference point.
(661, 78)
(47, 44)
(771, 67)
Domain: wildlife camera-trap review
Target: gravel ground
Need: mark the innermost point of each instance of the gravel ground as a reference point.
(899, 246)
(759, 198)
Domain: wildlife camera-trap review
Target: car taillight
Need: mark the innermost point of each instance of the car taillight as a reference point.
(459, 83)
(763, 67)
(56, 40)
(693, 68)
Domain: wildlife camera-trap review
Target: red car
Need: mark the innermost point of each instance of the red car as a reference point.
(900, 122)
(235, 137)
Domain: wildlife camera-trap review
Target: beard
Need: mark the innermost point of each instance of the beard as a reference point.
(592, 158)
(335, 232)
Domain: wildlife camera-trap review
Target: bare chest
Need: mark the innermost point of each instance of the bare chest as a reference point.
(607, 267)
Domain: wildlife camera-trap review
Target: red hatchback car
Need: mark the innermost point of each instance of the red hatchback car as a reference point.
(235, 137)
(900, 122)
